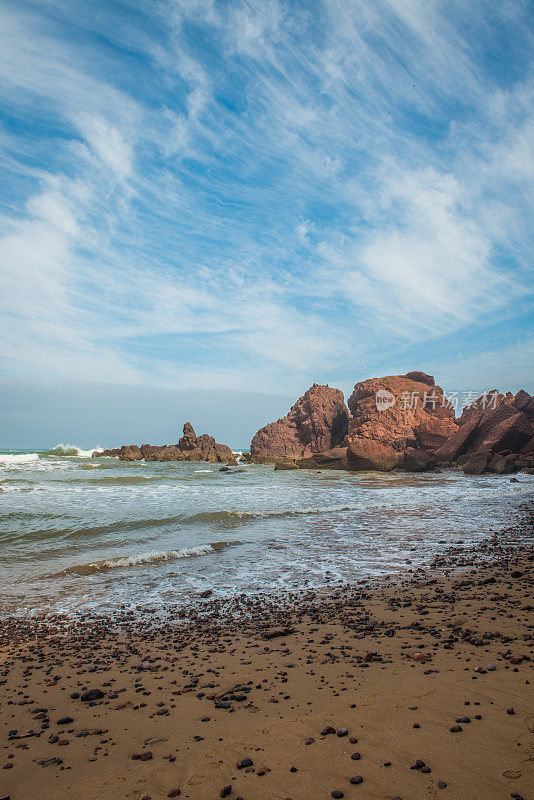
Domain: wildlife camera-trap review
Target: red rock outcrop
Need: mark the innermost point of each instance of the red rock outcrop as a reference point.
(316, 423)
(189, 448)
(495, 434)
(398, 421)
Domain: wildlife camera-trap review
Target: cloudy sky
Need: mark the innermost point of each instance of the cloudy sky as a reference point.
(252, 195)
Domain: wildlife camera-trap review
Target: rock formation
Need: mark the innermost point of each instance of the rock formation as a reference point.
(316, 423)
(189, 448)
(398, 421)
(495, 434)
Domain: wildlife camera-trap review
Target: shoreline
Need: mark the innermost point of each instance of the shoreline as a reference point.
(395, 663)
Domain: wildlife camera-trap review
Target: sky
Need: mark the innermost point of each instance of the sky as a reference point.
(202, 198)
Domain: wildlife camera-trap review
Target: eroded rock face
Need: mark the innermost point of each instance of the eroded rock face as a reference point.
(413, 418)
(189, 448)
(495, 434)
(316, 423)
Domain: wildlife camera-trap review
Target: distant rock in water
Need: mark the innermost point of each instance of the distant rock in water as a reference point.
(317, 422)
(189, 448)
(398, 421)
(495, 434)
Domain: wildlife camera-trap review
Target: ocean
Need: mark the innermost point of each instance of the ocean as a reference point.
(79, 534)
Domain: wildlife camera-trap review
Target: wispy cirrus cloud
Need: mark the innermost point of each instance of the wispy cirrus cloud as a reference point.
(242, 194)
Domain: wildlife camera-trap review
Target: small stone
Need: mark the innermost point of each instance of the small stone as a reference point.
(142, 756)
(342, 732)
(226, 790)
(456, 729)
(64, 720)
(337, 795)
(92, 694)
(174, 793)
(356, 756)
(245, 762)
(417, 657)
(442, 785)
(356, 779)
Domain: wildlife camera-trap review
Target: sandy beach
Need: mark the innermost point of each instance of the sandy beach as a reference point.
(409, 689)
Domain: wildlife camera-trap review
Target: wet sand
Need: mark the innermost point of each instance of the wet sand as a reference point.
(417, 688)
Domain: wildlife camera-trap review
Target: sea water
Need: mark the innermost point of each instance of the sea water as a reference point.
(79, 533)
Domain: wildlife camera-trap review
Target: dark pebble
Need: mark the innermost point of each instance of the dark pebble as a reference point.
(142, 756)
(92, 694)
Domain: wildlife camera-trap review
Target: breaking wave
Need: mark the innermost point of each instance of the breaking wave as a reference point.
(72, 451)
(228, 516)
(142, 558)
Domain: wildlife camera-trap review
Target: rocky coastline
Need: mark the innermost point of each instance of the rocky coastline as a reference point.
(403, 422)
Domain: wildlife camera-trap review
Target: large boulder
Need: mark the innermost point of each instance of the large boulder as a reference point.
(316, 423)
(415, 460)
(394, 415)
(336, 458)
(369, 454)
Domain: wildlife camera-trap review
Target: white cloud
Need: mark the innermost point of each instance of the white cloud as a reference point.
(107, 143)
(277, 185)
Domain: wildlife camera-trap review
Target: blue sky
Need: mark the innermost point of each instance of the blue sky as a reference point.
(253, 196)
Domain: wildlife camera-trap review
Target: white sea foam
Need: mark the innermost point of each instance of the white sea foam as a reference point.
(18, 459)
